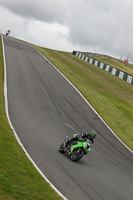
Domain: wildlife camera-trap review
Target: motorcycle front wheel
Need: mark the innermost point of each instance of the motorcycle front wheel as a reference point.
(61, 148)
(76, 155)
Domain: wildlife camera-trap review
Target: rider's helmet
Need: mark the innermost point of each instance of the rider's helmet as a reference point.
(92, 135)
(75, 135)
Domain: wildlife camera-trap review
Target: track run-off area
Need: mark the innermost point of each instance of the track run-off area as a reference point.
(43, 108)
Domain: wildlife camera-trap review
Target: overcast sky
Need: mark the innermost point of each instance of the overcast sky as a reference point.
(102, 26)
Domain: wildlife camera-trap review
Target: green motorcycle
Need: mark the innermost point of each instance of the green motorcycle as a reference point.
(76, 148)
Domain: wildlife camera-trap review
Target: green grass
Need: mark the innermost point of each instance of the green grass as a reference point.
(119, 64)
(111, 97)
(19, 180)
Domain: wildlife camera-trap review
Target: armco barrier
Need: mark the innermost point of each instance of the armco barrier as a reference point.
(114, 71)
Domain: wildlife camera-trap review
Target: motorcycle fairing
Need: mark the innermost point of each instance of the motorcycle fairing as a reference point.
(80, 145)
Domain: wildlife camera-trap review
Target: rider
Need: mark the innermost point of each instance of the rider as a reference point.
(89, 136)
(7, 33)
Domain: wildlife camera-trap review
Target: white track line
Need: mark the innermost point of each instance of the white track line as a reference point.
(7, 113)
(87, 103)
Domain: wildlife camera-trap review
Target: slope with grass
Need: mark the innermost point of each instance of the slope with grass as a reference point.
(119, 64)
(19, 180)
(111, 97)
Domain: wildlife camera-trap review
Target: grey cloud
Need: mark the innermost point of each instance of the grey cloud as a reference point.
(48, 11)
(98, 24)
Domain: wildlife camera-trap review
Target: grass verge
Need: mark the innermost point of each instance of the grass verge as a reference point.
(19, 180)
(119, 64)
(111, 97)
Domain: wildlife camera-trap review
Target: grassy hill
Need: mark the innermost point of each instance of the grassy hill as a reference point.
(119, 64)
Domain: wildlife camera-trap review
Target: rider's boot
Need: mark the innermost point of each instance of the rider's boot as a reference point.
(66, 142)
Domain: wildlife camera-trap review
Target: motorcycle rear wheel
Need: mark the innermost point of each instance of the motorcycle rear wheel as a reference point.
(76, 155)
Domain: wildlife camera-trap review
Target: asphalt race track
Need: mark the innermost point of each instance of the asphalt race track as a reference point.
(44, 108)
